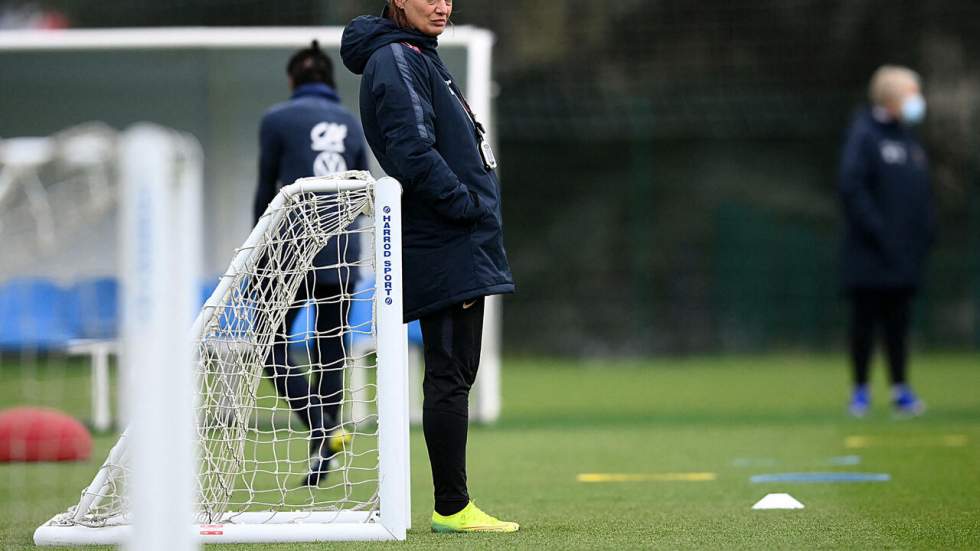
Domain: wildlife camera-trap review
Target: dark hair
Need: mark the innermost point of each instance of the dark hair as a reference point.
(310, 65)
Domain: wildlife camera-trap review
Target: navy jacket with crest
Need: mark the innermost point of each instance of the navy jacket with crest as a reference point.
(312, 134)
(416, 122)
(888, 205)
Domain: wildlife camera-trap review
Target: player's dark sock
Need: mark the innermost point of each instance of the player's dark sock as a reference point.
(319, 470)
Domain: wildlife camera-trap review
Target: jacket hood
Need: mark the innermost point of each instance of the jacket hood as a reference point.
(364, 35)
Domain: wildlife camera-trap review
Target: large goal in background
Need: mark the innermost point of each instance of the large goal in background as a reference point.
(216, 86)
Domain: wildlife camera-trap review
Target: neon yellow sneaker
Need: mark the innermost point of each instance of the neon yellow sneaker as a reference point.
(471, 519)
(338, 441)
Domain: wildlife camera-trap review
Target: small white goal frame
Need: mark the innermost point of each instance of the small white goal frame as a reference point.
(392, 518)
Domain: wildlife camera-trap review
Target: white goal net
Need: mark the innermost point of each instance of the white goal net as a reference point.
(52, 188)
(279, 456)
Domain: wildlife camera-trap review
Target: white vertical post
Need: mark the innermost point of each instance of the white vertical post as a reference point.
(485, 408)
(101, 414)
(160, 266)
(416, 373)
(392, 364)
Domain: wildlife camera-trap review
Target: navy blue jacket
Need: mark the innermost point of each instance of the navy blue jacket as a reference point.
(888, 205)
(416, 123)
(312, 134)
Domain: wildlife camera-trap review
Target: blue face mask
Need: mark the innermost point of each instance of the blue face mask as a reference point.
(913, 109)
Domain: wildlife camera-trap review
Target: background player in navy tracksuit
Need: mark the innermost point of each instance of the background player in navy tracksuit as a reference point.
(890, 225)
(313, 135)
(424, 134)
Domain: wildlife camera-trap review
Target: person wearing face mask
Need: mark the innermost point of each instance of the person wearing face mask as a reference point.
(425, 135)
(887, 205)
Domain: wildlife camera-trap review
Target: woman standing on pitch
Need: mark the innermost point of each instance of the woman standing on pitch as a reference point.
(425, 135)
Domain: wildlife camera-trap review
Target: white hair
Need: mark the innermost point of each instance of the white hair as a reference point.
(887, 81)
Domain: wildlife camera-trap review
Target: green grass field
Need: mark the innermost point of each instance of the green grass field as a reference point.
(733, 417)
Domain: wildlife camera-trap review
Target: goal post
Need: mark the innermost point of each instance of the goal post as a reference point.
(160, 257)
(250, 449)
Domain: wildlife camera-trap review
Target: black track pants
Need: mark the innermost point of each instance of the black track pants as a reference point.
(887, 310)
(452, 338)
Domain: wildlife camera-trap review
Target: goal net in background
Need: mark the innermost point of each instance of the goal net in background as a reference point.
(50, 188)
(254, 454)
